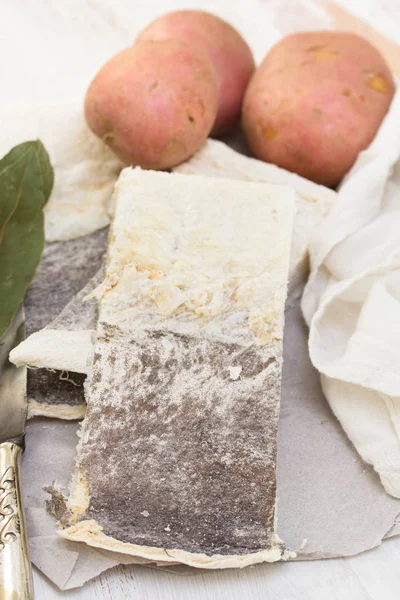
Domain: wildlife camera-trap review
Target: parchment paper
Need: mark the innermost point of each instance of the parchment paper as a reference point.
(327, 498)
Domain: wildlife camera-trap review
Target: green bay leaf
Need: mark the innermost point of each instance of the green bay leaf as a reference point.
(26, 181)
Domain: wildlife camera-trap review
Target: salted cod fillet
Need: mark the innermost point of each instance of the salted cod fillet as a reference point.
(184, 391)
(56, 349)
(313, 201)
(64, 269)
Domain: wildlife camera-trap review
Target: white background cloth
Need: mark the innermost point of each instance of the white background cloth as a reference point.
(352, 303)
(53, 48)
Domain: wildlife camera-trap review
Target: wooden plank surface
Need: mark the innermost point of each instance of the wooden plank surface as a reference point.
(374, 575)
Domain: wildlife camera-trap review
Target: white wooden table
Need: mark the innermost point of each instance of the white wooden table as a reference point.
(374, 575)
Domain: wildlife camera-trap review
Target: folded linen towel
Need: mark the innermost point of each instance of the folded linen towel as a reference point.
(352, 303)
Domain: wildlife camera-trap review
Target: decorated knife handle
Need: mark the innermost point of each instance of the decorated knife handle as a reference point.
(15, 566)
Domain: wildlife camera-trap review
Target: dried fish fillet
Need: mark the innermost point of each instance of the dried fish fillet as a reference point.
(65, 268)
(66, 343)
(177, 458)
(54, 390)
(313, 201)
(61, 359)
(56, 394)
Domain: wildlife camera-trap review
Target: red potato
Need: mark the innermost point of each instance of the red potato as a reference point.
(154, 103)
(227, 50)
(315, 102)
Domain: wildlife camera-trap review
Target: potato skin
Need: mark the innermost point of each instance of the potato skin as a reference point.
(227, 50)
(315, 102)
(153, 103)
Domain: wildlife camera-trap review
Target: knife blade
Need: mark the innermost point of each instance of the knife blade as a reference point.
(15, 566)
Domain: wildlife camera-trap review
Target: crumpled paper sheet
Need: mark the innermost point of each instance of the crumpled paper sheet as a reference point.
(328, 499)
(352, 303)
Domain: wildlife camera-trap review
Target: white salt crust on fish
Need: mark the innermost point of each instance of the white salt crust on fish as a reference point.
(184, 390)
(313, 201)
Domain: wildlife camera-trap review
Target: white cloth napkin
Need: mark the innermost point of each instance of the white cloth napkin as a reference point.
(352, 303)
